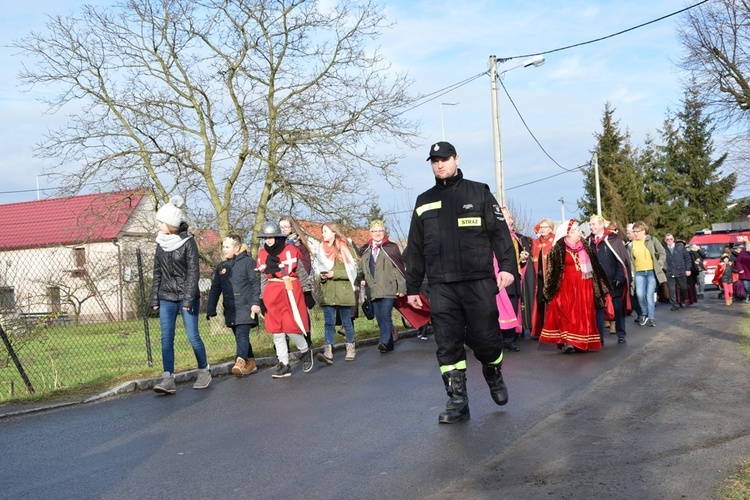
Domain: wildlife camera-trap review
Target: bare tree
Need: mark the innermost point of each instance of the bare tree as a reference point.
(716, 38)
(242, 106)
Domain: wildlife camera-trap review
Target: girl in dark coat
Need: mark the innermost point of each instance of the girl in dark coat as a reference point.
(237, 280)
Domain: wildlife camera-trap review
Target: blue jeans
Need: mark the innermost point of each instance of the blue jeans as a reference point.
(645, 288)
(168, 312)
(242, 339)
(384, 315)
(746, 286)
(329, 314)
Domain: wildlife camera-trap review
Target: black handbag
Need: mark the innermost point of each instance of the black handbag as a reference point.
(367, 309)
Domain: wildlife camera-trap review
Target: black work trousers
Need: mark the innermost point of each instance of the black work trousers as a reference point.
(465, 312)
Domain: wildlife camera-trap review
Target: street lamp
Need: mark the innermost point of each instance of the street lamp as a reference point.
(442, 126)
(535, 61)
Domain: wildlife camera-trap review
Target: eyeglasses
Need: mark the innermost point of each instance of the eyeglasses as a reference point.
(545, 226)
(281, 226)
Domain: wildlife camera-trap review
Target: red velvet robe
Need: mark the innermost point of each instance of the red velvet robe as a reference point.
(540, 247)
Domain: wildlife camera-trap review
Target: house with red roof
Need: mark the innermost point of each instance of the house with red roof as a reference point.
(73, 258)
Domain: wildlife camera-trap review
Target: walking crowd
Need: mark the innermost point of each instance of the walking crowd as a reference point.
(480, 283)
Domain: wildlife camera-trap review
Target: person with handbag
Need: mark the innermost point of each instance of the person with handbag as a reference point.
(381, 271)
(611, 253)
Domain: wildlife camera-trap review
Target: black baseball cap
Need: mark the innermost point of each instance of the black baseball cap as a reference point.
(442, 149)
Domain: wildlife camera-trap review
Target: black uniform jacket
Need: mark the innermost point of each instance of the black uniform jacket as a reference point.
(456, 227)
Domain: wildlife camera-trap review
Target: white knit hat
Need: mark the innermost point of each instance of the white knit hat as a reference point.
(171, 213)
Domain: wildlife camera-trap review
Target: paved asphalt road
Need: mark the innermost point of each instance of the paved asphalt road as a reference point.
(664, 416)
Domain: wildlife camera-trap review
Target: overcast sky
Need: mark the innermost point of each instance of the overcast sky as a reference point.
(441, 43)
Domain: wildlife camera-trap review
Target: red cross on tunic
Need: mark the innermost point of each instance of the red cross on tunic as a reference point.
(289, 262)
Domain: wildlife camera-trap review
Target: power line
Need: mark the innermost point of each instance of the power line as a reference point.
(518, 112)
(567, 171)
(504, 59)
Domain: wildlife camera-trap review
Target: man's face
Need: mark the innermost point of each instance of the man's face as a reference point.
(444, 168)
(596, 226)
(377, 233)
(669, 240)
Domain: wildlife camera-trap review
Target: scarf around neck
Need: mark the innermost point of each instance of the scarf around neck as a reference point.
(327, 255)
(272, 261)
(171, 242)
(587, 271)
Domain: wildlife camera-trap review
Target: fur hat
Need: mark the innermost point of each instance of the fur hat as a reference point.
(171, 213)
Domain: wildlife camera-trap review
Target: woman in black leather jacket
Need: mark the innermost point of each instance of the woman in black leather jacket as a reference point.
(175, 291)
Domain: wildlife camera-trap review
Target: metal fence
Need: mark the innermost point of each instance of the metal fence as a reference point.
(73, 317)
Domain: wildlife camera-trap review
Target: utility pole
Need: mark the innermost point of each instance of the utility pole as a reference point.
(598, 189)
(499, 182)
(562, 208)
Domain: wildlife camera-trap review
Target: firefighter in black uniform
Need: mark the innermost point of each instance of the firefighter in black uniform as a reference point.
(456, 227)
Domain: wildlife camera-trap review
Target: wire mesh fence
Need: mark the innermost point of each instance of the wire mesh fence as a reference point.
(76, 317)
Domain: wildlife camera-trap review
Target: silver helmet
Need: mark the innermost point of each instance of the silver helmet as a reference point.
(270, 230)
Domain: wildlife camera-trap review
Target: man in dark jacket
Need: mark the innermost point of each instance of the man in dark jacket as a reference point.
(611, 253)
(677, 269)
(456, 227)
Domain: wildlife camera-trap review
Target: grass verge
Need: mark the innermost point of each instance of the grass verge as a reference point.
(737, 486)
(70, 362)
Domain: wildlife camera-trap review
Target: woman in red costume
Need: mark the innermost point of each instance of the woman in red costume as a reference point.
(574, 286)
(539, 249)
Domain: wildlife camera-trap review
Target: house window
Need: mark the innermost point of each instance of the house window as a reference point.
(7, 298)
(53, 294)
(80, 257)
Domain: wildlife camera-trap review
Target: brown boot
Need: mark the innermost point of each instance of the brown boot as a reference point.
(242, 367)
(250, 367)
(238, 368)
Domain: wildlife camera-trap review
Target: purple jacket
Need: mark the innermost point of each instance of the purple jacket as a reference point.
(742, 263)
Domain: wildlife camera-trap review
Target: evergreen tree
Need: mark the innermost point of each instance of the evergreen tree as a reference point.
(693, 191)
(649, 163)
(622, 195)
(706, 190)
(375, 213)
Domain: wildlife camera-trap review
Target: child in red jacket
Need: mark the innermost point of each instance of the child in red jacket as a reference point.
(725, 276)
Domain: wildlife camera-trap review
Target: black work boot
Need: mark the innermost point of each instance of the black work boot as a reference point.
(457, 407)
(494, 378)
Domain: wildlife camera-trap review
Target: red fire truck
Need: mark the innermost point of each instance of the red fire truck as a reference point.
(714, 241)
